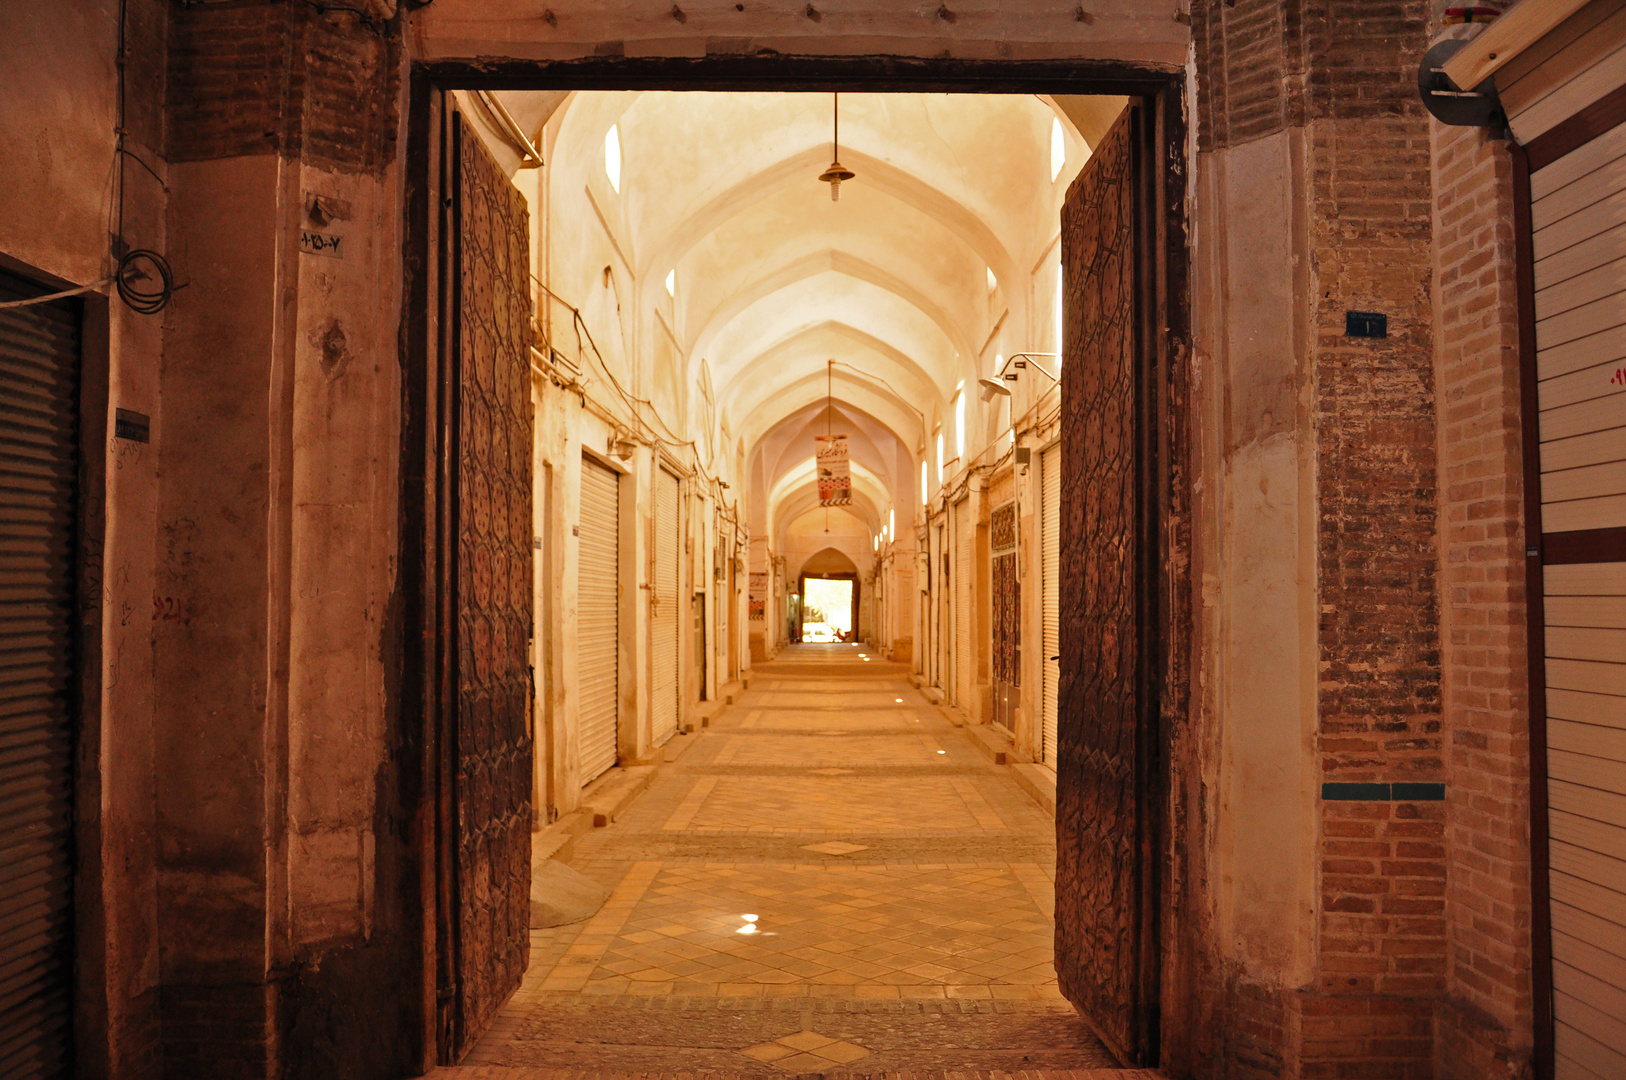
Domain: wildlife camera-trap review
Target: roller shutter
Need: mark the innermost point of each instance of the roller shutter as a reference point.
(39, 376)
(964, 622)
(1579, 245)
(597, 617)
(663, 610)
(1050, 585)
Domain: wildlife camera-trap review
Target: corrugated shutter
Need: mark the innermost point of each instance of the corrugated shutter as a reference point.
(1050, 585)
(964, 621)
(1579, 62)
(597, 617)
(1580, 278)
(39, 403)
(663, 615)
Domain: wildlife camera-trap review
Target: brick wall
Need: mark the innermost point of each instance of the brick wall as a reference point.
(1346, 72)
(259, 78)
(1484, 658)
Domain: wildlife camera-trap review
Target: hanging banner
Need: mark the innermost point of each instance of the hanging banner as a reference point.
(759, 596)
(835, 480)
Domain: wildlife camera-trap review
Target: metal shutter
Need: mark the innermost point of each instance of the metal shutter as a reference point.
(39, 403)
(964, 622)
(1050, 586)
(1580, 251)
(663, 613)
(598, 625)
(723, 602)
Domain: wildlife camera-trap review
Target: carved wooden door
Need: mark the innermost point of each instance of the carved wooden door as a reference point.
(1105, 900)
(489, 502)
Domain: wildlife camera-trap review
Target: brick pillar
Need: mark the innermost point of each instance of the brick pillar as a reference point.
(282, 932)
(1484, 1023)
(1314, 143)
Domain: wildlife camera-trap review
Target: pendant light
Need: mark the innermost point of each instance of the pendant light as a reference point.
(837, 172)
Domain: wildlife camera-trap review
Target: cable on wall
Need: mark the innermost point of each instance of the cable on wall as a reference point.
(143, 277)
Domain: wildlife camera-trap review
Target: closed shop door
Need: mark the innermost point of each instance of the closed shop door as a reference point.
(663, 612)
(598, 624)
(39, 408)
(1050, 587)
(723, 603)
(1007, 611)
(1579, 247)
(965, 622)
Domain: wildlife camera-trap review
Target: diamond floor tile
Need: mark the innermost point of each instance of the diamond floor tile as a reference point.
(812, 850)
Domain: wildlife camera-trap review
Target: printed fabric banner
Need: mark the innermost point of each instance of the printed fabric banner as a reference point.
(759, 596)
(835, 480)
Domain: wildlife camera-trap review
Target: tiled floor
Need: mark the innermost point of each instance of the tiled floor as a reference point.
(831, 880)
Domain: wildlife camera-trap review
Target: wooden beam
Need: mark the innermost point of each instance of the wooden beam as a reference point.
(1525, 23)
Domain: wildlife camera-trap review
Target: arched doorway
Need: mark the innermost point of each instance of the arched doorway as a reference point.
(827, 578)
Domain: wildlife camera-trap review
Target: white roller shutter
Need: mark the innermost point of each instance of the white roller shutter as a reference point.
(1579, 243)
(39, 454)
(597, 617)
(964, 622)
(1050, 587)
(663, 613)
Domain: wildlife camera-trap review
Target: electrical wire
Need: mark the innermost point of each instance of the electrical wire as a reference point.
(143, 277)
(633, 403)
(48, 297)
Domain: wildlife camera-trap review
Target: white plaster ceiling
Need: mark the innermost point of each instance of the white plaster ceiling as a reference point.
(773, 279)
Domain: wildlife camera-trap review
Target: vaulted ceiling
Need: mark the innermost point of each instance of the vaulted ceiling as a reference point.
(931, 261)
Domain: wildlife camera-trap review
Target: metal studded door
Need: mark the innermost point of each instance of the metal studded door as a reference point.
(1105, 899)
(490, 506)
(1007, 605)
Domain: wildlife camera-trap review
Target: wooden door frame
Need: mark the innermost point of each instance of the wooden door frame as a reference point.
(416, 689)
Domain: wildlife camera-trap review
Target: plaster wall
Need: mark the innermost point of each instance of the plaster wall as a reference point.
(1258, 582)
(58, 170)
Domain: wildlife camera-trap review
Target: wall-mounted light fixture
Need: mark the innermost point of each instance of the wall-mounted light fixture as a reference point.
(1010, 372)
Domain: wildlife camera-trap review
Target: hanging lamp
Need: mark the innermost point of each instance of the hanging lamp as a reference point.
(837, 172)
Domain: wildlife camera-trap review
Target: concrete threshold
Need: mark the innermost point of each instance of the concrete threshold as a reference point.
(994, 742)
(1038, 781)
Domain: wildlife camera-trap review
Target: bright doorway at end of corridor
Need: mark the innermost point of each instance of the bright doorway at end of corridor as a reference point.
(827, 609)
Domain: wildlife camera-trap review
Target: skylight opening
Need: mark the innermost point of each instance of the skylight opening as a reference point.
(1058, 148)
(993, 282)
(892, 523)
(612, 156)
(671, 283)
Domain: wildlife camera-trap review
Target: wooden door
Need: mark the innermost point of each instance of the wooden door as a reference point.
(1107, 742)
(486, 742)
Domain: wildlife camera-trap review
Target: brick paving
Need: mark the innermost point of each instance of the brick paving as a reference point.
(833, 880)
